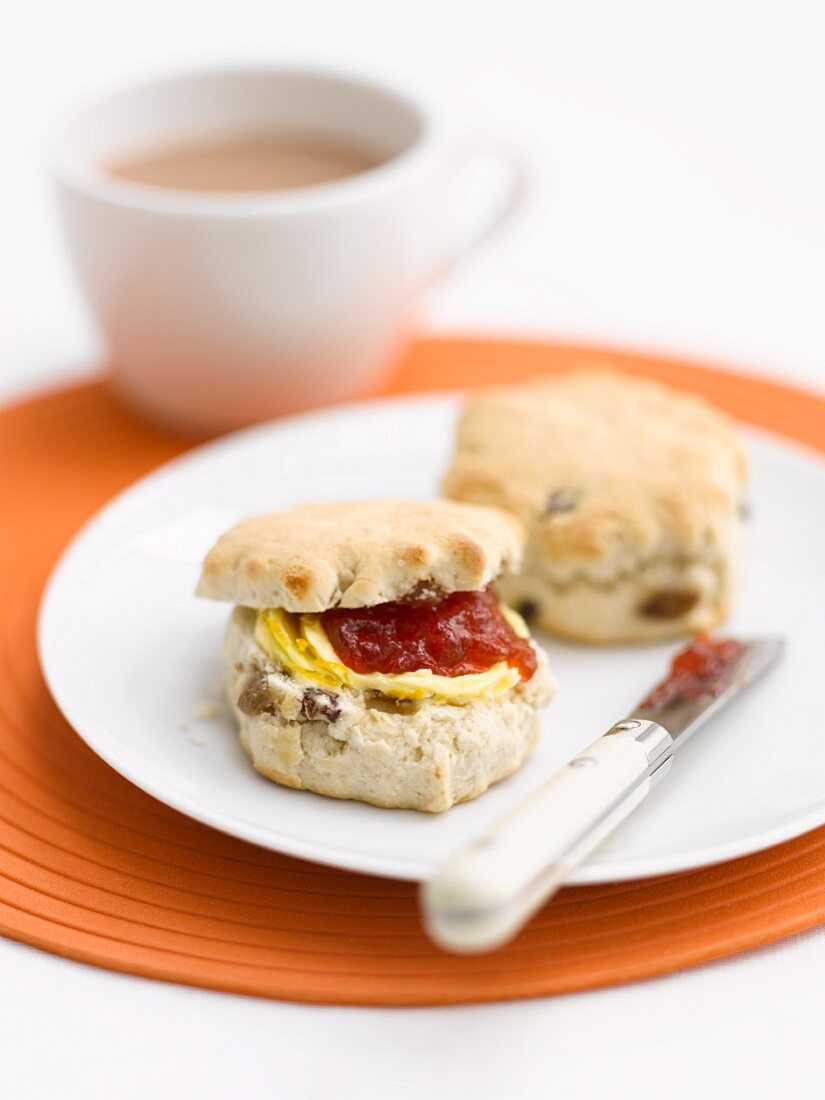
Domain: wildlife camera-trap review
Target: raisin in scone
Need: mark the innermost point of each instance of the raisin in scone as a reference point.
(631, 493)
(367, 656)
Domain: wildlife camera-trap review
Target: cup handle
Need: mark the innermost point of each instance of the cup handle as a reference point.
(479, 148)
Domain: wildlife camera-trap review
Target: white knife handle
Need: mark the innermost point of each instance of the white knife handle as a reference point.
(483, 896)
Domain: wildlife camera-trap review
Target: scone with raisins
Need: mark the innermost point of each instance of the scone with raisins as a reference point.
(367, 656)
(631, 493)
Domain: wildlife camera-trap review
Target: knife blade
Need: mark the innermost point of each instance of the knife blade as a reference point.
(481, 898)
(682, 717)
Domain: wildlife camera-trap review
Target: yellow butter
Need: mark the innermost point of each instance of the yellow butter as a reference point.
(300, 644)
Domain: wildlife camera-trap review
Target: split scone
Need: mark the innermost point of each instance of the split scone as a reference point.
(367, 656)
(631, 493)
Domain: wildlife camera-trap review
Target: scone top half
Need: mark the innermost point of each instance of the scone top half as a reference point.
(386, 598)
(358, 554)
(368, 657)
(631, 494)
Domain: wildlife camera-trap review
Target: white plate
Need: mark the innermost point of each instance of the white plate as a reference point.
(128, 652)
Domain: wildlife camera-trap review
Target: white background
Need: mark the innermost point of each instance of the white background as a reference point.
(679, 159)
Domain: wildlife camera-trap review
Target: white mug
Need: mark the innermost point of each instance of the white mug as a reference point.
(223, 309)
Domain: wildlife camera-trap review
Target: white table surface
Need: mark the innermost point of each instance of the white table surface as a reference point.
(679, 156)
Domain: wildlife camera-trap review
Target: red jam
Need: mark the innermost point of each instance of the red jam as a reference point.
(696, 671)
(464, 633)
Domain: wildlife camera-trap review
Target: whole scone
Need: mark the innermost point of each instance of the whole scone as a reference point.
(631, 493)
(367, 657)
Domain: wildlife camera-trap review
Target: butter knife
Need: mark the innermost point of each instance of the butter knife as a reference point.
(482, 897)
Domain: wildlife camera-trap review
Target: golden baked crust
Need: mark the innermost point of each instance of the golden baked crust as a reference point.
(630, 492)
(359, 554)
(604, 462)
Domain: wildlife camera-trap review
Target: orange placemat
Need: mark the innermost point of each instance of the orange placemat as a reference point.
(92, 868)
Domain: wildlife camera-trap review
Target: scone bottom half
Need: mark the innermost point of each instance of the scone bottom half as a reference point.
(415, 702)
(632, 497)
